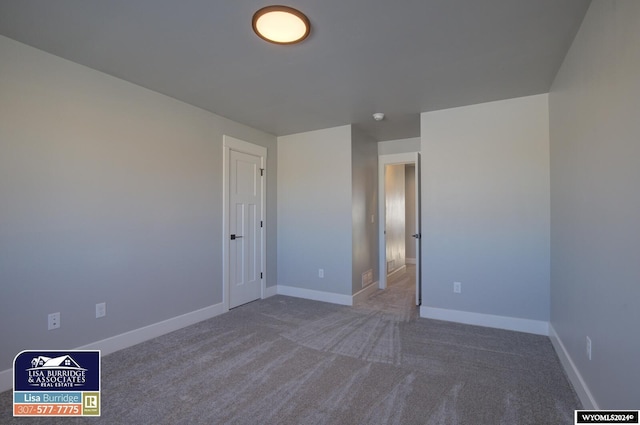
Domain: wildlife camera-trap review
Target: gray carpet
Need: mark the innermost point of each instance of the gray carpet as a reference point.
(291, 361)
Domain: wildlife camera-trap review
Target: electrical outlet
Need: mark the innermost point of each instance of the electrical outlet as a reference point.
(589, 348)
(321, 273)
(457, 287)
(101, 310)
(54, 321)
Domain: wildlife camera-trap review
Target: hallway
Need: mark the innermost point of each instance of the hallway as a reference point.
(398, 299)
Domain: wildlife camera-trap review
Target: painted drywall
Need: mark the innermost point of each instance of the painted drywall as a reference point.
(399, 146)
(410, 211)
(485, 208)
(364, 183)
(595, 202)
(110, 193)
(315, 210)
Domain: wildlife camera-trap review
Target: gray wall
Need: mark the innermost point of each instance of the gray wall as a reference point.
(315, 210)
(410, 210)
(364, 161)
(110, 192)
(595, 202)
(485, 208)
(399, 146)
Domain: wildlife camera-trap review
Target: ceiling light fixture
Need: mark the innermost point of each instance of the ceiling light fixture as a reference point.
(281, 25)
(378, 116)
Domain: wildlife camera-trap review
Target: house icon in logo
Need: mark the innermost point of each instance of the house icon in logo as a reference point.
(62, 362)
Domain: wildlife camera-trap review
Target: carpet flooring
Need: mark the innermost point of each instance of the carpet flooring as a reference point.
(285, 360)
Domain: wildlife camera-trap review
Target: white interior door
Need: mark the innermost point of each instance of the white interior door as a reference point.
(418, 235)
(245, 231)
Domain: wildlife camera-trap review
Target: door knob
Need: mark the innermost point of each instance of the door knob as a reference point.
(234, 237)
(416, 235)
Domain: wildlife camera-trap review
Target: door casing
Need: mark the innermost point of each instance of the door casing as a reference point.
(383, 161)
(228, 144)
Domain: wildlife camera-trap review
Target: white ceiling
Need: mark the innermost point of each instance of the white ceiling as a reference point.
(400, 57)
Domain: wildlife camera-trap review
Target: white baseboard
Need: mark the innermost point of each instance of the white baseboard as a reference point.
(312, 294)
(270, 291)
(399, 270)
(537, 327)
(136, 336)
(410, 260)
(365, 292)
(582, 390)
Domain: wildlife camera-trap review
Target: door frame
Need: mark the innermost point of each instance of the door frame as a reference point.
(232, 144)
(383, 161)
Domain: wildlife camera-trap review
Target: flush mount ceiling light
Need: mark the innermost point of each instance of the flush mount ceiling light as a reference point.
(281, 25)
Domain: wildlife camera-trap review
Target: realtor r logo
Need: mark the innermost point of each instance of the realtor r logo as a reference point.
(91, 404)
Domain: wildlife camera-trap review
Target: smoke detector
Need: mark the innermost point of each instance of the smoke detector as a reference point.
(378, 116)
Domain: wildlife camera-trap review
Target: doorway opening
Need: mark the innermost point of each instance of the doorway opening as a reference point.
(399, 220)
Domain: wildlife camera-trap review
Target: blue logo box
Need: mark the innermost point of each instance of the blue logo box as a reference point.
(57, 371)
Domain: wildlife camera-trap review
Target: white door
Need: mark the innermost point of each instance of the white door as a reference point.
(245, 231)
(417, 235)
